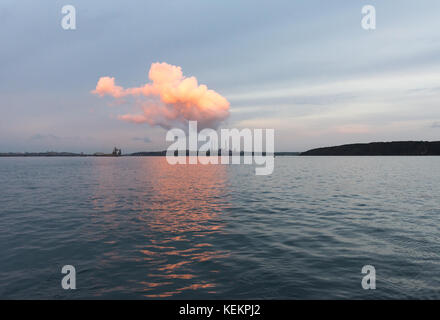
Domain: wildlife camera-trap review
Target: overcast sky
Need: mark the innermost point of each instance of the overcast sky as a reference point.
(305, 68)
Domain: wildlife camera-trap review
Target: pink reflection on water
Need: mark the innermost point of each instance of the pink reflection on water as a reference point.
(185, 207)
(177, 210)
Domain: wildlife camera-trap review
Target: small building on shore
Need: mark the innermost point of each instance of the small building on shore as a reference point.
(116, 152)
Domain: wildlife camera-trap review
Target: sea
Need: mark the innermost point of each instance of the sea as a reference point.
(140, 228)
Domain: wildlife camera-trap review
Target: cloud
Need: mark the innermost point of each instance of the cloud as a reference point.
(170, 100)
(146, 139)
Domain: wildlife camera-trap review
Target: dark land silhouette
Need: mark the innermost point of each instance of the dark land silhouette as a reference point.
(117, 153)
(163, 153)
(395, 148)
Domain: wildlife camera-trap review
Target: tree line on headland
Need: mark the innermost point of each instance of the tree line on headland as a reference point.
(395, 148)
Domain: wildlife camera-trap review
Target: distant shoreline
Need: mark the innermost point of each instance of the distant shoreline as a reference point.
(394, 148)
(135, 154)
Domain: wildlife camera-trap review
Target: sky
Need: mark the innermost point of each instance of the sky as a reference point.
(304, 68)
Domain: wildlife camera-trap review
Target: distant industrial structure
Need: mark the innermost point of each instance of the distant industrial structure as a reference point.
(116, 152)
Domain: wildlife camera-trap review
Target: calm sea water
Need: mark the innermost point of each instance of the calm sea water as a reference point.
(140, 228)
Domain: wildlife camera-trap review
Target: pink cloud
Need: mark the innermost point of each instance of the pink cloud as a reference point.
(178, 99)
